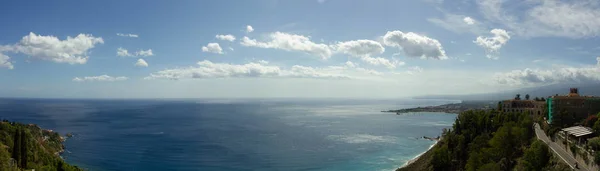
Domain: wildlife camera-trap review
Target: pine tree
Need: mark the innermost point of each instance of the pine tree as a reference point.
(59, 166)
(17, 146)
(23, 149)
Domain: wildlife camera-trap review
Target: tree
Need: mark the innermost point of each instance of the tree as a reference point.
(594, 143)
(590, 121)
(23, 149)
(441, 158)
(596, 126)
(17, 145)
(518, 97)
(490, 167)
(536, 99)
(597, 158)
(542, 99)
(537, 156)
(527, 97)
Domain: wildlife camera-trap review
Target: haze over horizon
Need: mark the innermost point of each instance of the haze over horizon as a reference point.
(309, 49)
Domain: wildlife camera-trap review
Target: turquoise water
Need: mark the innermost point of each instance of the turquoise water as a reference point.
(234, 134)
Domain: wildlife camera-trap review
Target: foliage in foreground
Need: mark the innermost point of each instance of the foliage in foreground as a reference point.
(489, 140)
(29, 147)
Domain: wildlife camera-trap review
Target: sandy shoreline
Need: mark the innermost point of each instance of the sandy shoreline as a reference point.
(419, 155)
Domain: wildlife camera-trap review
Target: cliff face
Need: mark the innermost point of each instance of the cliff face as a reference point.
(30, 147)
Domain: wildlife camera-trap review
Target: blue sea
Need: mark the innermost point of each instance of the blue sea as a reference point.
(235, 135)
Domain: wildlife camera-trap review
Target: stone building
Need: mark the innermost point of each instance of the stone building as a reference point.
(573, 103)
(533, 107)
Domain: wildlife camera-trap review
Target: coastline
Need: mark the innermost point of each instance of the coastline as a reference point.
(417, 157)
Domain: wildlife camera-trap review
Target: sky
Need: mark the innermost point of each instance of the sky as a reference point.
(293, 48)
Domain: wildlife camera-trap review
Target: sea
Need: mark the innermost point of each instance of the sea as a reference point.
(235, 134)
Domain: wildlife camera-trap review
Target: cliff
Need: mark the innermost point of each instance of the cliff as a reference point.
(24, 147)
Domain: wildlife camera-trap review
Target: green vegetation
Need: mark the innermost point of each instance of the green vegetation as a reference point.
(488, 141)
(24, 147)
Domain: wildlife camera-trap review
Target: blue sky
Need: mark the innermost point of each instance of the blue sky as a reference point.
(296, 48)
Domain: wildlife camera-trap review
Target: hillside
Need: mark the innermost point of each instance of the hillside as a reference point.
(488, 140)
(25, 147)
(541, 91)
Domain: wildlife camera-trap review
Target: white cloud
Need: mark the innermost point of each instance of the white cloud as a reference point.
(73, 50)
(123, 52)
(99, 78)
(263, 62)
(469, 20)
(230, 48)
(249, 29)
(212, 48)
(321, 1)
(310, 72)
(415, 45)
(351, 64)
(144, 53)
(359, 48)
(459, 24)
(127, 35)
(378, 61)
(4, 62)
(589, 74)
(414, 70)
(208, 69)
(141, 63)
(228, 37)
(290, 42)
(493, 44)
(536, 18)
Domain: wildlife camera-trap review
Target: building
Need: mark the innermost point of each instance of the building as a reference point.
(574, 104)
(576, 134)
(529, 106)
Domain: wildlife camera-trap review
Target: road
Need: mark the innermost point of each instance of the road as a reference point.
(558, 149)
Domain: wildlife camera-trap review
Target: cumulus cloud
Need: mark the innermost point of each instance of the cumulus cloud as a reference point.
(415, 45)
(290, 42)
(5, 62)
(228, 37)
(589, 74)
(249, 29)
(99, 78)
(122, 52)
(364, 50)
(212, 48)
(73, 50)
(208, 69)
(351, 64)
(493, 44)
(144, 53)
(469, 20)
(359, 48)
(127, 35)
(141, 63)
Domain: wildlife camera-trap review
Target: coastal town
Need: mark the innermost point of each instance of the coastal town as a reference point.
(567, 125)
(454, 108)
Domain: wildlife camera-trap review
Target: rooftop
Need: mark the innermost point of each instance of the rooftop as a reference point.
(578, 131)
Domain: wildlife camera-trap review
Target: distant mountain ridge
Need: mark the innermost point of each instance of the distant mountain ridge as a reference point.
(542, 91)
